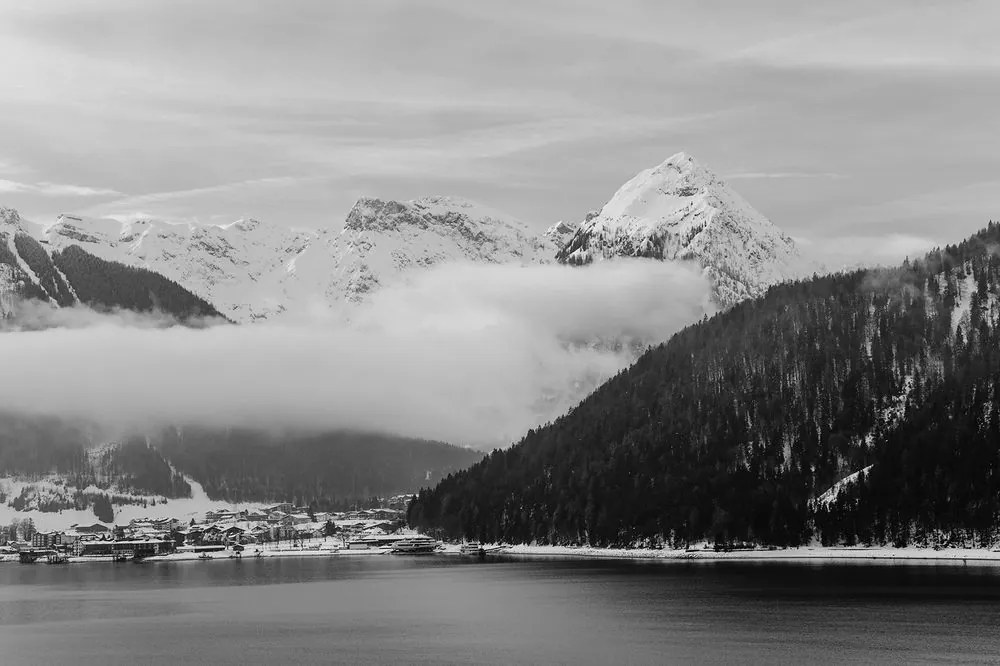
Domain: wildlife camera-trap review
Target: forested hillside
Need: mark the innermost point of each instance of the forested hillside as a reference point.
(733, 428)
(41, 265)
(108, 284)
(245, 465)
(61, 459)
(49, 464)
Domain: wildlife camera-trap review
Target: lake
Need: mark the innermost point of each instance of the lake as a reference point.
(394, 609)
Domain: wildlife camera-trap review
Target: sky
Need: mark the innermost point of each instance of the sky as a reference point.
(866, 130)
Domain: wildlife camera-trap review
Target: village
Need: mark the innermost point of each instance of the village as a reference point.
(267, 531)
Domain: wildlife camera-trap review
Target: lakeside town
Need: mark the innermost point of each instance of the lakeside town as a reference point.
(268, 531)
(286, 530)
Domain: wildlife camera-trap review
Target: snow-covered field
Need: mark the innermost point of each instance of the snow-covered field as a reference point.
(183, 509)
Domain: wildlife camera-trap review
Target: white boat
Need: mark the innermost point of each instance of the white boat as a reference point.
(416, 545)
(471, 548)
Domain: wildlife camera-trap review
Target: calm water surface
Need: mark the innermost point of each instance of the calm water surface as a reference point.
(446, 610)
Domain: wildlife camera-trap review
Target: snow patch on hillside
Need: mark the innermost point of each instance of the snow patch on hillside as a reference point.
(56, 489)
(963, 305)
(834, 491)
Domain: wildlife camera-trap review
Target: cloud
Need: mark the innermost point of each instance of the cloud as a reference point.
(55, 189)
(34, 315)
(755, 175)
(857, 250)
(157, 197)
(897, 34)
(467, 354)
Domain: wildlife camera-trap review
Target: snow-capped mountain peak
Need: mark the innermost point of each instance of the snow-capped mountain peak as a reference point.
(681, 210)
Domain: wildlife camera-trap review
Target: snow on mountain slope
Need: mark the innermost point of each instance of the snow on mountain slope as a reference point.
(382, 240)
(250, 271)
(246, 269)
(681, 210)
(26, 270)
(560, 233)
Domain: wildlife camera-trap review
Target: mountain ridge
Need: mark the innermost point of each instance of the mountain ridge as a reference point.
(253, 271)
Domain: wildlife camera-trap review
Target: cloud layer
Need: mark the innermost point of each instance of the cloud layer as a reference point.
(468, 354)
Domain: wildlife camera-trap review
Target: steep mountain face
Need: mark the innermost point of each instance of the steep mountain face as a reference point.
(71, 276)
(26, 269)
(383, 240)
(853, 407)
(681, 210)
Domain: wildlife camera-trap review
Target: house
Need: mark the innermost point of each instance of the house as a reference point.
(310, 531)
(127, 548)
(212, 534)
(96, 528)
(46, 539)
(233, 534)
(284, 507)
(220, 515)
(283, 532)
(68, 539)
(385, 514)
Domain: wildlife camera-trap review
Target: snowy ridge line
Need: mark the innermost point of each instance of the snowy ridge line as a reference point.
(252, 271)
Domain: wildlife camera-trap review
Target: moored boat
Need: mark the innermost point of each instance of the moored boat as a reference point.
(416, 545)
(471, 548)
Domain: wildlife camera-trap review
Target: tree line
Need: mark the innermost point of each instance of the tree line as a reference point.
(731, 429)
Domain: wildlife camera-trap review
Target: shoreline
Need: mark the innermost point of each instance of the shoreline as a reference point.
(912, 555)
(794, 554)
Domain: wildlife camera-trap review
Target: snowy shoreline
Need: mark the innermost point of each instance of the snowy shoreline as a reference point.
(820, 554)
(800, 554)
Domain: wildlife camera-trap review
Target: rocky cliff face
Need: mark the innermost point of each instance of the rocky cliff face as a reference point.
(383, 240)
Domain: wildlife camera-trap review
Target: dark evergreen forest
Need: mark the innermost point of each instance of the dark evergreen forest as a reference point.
(40, 263)
(23, 286)
(108, 285)
(732, 429)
